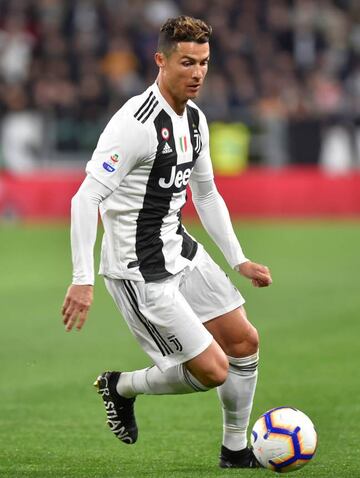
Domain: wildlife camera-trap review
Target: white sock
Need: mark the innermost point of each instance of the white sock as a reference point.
(151, 381)
(236, 395)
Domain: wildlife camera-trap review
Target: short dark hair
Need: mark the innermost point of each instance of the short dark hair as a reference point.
(182, 29)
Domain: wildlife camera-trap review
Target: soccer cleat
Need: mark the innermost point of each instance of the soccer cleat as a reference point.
(119, 410)
(238, 459)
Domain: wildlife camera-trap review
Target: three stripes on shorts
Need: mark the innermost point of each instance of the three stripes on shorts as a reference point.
(161, 343)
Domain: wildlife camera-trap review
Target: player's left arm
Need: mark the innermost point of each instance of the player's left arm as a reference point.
(215, 218)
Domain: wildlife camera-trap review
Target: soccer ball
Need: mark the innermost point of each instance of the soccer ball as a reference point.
(284, 439)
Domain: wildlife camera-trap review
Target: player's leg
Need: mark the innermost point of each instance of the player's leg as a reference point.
(219, 305)
(206, 370)
(239, 340)
(160, 319)
(119, 389)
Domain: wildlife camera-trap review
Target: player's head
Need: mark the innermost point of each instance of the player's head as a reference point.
(182, 29)
(182, 56)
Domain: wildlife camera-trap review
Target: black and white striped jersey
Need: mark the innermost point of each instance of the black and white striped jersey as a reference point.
(146, 156)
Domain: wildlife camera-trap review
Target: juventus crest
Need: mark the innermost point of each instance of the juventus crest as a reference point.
(198, 143)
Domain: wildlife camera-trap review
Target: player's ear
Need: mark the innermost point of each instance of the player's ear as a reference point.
(160, 59)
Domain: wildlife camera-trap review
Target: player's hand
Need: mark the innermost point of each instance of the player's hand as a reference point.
(76, 306)
(259, 275)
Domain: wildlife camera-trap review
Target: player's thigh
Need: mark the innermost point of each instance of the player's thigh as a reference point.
(219, 305)
(210, 367)
(161, 320)
(234, 333)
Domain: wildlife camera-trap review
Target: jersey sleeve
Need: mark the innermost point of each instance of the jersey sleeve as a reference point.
(84, 220)
(122, 145)
(215, 218)
(203, 170)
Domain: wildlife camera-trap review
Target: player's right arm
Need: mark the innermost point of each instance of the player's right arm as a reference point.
(84, 221)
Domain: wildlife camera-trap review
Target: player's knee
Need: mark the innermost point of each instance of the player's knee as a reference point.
(210, 367)
(216, 375)
(253, 341)
(214, 379)
(248, 346)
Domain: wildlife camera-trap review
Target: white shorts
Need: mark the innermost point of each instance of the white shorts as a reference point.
(166, 317)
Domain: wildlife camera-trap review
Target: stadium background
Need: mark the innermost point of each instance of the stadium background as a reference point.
(283, 100)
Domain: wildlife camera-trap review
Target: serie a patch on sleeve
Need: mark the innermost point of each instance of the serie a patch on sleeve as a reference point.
(111, 164)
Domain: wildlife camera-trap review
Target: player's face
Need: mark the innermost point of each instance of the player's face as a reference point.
(182, 73)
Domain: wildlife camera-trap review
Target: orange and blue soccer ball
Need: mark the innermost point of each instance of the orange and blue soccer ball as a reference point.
(284, 439)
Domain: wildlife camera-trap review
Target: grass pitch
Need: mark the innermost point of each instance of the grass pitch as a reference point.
(52, 423)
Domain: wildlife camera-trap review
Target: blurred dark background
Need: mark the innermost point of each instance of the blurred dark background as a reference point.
(287, 73)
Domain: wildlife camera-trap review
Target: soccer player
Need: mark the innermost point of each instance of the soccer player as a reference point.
(181, 307)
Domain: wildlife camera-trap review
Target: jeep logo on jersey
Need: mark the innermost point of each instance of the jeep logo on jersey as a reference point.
(177, 178)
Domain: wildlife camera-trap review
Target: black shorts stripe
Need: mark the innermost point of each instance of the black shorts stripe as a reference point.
(164, 348)
(137, 313)
(151, 325)
(149, 113)
(144, 104)
(141, 116)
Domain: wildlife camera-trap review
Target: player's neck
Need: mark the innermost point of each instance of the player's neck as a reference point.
(174, 103)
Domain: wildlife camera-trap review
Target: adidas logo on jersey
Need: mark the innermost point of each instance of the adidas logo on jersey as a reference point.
(167, 149)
